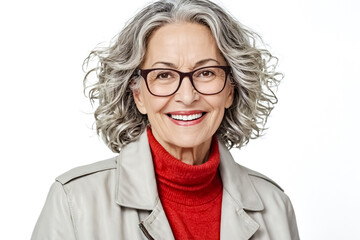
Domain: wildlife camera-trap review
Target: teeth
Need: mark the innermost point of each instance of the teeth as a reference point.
(186, 117)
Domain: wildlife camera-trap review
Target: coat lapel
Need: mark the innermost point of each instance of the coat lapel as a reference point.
(136, 187)
(239, 194)
(136, 182)
(157, 224)
(235, 222)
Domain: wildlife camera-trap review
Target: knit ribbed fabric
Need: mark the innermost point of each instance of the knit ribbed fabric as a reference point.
(191, 195)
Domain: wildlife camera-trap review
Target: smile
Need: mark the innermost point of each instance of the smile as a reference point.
(186, 117)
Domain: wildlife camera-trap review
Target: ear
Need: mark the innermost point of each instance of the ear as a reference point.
(230, 96)
(139, 101)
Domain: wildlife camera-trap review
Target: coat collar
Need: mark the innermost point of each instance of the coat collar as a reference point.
(237, 183)
(136, 183)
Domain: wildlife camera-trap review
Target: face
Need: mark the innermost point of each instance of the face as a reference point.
(184, 47)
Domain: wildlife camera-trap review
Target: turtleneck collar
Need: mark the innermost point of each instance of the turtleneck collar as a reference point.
(183, 183)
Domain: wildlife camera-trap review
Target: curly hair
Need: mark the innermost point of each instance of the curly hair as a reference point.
(253, 74)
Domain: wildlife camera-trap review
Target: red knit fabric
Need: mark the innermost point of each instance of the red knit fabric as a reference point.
(191, 195)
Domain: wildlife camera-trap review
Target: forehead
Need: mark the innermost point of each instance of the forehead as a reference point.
(181, 44)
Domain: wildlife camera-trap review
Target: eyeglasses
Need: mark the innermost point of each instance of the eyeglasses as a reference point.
(164, 82)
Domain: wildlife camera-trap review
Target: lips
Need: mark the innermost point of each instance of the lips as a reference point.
(186, 117)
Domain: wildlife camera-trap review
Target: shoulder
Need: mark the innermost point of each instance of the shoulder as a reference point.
(259, 178)
(87, 170)
(229, 167)
(277, 206)
(271, 194)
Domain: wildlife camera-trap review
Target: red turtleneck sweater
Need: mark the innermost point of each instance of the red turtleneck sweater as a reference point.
(191, 195)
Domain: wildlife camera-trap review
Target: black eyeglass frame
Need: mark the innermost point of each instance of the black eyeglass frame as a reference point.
(145, 72)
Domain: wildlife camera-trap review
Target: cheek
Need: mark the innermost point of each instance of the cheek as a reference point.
(218, 102)
(155, 105)
(217, 108)
(219, 116)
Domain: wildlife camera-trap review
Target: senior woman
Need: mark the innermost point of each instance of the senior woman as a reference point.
(181, 84)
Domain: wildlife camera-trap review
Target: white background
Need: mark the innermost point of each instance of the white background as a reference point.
(310, 149)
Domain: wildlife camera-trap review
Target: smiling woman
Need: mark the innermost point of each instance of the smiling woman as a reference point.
(180, 85)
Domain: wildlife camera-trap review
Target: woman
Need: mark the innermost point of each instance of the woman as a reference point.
(182, 83)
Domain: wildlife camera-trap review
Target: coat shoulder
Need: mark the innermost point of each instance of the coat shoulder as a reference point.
(86, 170)
(260, 176)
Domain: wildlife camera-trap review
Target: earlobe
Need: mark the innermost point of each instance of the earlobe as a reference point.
(139, 101)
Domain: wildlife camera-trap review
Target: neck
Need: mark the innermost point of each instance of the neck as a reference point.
(190, 155)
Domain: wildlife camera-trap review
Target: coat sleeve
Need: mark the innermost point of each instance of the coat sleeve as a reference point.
(292, 220)
(55, 221)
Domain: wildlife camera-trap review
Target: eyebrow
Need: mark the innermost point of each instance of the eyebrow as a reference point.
(197, 64)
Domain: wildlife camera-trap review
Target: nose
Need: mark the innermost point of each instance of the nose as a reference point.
(186, 93)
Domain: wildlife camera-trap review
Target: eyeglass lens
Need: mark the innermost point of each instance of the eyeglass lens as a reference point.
(164, 82)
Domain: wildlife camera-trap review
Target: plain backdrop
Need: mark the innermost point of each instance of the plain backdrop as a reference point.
(311, 146)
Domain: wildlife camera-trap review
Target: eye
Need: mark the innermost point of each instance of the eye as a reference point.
(164, 75)
(206, 74)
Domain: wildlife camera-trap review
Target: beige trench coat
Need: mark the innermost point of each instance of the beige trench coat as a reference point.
(117, 199)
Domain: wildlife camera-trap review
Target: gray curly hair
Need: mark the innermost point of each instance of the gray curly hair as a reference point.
(253, 75)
